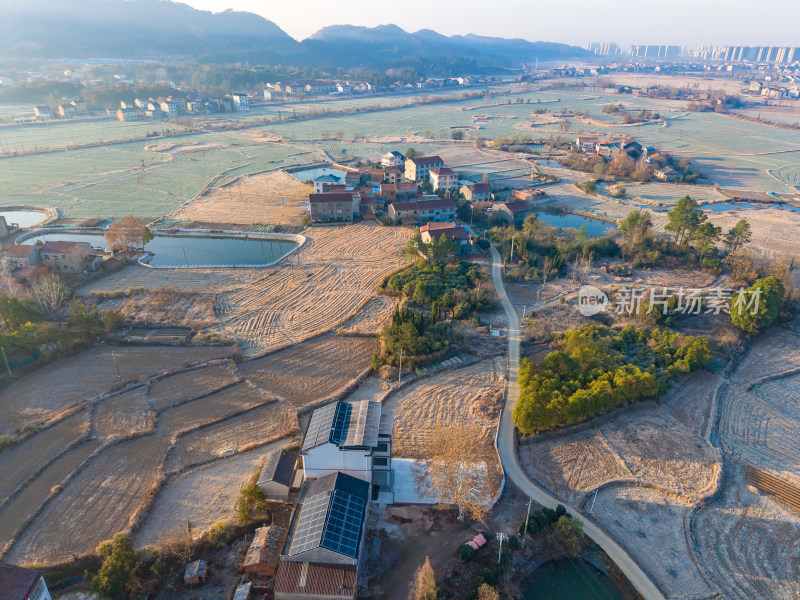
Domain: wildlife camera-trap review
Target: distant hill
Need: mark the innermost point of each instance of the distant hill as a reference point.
(160, 29)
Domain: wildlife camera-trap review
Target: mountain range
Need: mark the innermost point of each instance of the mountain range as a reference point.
(165, 30)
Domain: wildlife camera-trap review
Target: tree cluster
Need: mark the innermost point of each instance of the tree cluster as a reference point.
(596, 370)
(415, 333)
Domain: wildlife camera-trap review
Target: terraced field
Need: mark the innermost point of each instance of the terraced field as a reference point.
(126, 414)
(178, 388)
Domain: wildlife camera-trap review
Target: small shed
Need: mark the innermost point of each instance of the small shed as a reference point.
(277, 474)
(196, 572)
(242, 592)
(264, 553)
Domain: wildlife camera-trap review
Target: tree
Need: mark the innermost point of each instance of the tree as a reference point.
(50, 296)
(758, 307)
(568, 533)
(410, 153)
(684, 219)
(742, 265)
(131, 232)
(479, 143)
(738, 236)
(706, 237)
(487, 592)
(457, 134)
(119, 565)
(458, 468)
(15, 312)
(423, 586)
(635, 230)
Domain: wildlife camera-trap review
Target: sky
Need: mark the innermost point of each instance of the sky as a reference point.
(578, 22)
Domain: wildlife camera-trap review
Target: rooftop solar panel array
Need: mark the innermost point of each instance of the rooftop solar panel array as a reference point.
(319, 428)
(364, 422)
(308, 533)
(340, 427)
(343, 529)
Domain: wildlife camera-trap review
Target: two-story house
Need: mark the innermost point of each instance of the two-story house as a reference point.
(477, 192)
(351, 437)
(332, 206)
(393, 159)
(67, 257)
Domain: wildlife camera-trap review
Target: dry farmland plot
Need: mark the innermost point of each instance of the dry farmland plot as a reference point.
(94, 505)
(269, 198)
(748, 544)
(181, 387)
(650, 526)
(124, 415)
(372, 316)
(214, 407)
(258, 426)
(19, 462)
(44, 394)
(202, 496)
(465, 395)
(772, 354)
(25, 504)
(309, 372)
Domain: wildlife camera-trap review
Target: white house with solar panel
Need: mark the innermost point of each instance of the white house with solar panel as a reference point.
(350, 437)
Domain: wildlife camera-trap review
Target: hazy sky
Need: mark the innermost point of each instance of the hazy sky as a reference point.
(681, 22)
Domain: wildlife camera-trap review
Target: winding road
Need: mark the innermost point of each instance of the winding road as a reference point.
(510, 460)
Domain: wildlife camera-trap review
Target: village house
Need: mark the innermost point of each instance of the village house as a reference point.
(332, 206)
(323, 183)
(179, 102)
(433, 231)
(393, 174)
(67, 110)
(351, 437)
(196, 573)
(20, 255)
(69, 257)
(242, 591)
(393, 159)
(261, 560)
(399, 191)
(443, 179)
(477, 192)
(422, 211)
(310, 581)
(29, 274)
(80, 107)
(17, 583)
(607, 149)
(328, 524)
(240, 102)
(585, 142)
(513, 212)
(277, 476)
(43, 112)
(372, 177)
(417, 168)
(667, 173)
(127, 114)
(170, 109)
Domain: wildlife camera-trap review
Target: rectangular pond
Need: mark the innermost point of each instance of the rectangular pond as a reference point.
(193, 251)
(594, 227)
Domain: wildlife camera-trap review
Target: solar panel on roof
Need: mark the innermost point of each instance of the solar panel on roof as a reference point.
(343, 529)
(341, 422)
(308, 533)
(319, 428)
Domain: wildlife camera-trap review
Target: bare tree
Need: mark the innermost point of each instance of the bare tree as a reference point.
(547, 270)
(581, 267)
(50, 296)
(423, 586)
(460, 467)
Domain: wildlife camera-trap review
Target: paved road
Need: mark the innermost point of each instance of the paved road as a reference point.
(505, 445)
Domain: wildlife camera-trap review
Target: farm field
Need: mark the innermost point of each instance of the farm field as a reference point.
(126, 414)
(317, 289)
(46, 393)
(294, 374)
(469, 395)
(188, 385)
(147, 179)
(273, 198)
(107, 495)
(202, 496)
(650, 466)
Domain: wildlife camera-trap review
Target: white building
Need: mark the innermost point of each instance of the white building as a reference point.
(323, 183)
(443, 179)
(170, 109)
(351, 437)
(240, 102)
(393, 159)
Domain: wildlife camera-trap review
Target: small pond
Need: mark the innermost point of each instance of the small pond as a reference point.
(569, 579)
(182, 251)
(24, 218)
(594, 227)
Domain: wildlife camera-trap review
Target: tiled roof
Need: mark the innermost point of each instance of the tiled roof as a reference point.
(61, 247)
(422, 161)
(278, 467)
(443, 171)
(266, 546)
(479, 188)
(197, 568)
(16, 583)
(520, 206)
(331, 197)
(311, 579)
(20, 250)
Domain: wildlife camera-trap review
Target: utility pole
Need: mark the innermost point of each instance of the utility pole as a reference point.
(501, 537)
(527, 516)
(524, 310)
(8, 368)
(400, 368)
(114, 356)
(511, 260)
(591, 508)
